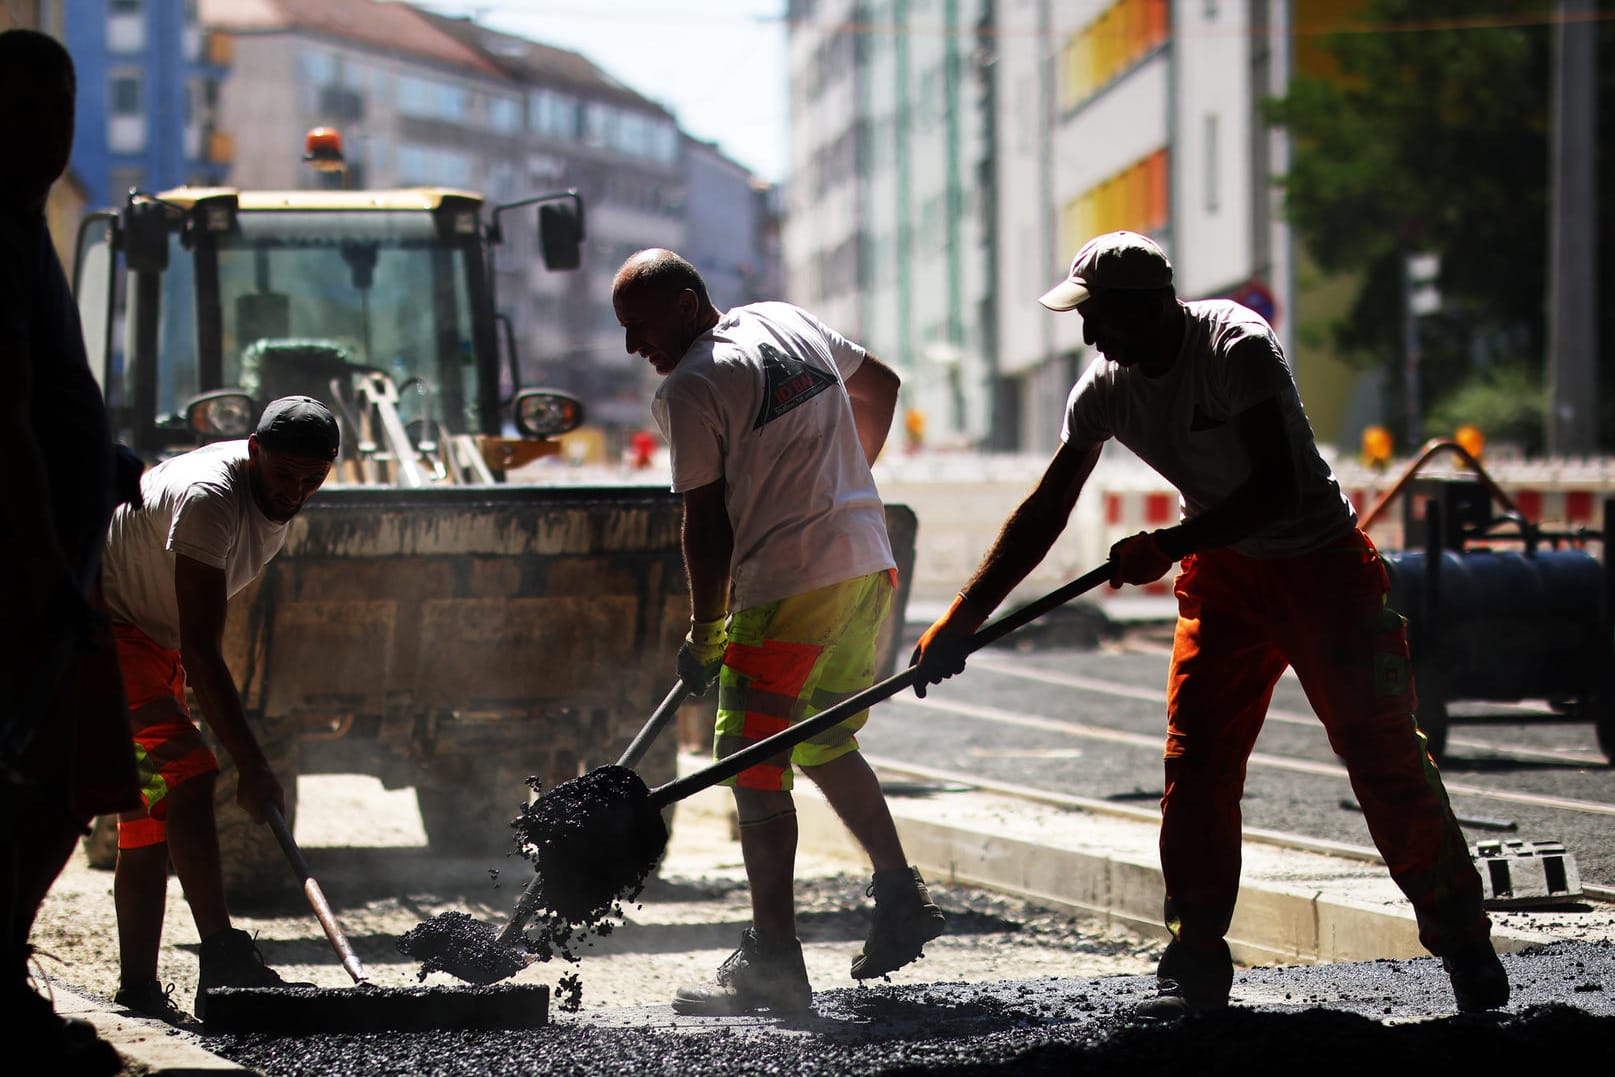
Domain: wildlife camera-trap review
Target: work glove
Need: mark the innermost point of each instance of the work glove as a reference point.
(701, 656)
(942, 649)
(1138, 559)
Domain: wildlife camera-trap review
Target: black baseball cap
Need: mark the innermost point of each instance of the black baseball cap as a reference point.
(301, 426)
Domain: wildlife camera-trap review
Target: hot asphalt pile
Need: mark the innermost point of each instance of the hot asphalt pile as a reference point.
(1351, 1018)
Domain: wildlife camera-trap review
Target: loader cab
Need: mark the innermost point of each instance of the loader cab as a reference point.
(376, 302)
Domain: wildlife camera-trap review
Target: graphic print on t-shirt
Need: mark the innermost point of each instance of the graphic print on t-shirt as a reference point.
(788, 383)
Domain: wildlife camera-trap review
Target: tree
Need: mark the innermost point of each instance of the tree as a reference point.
(1434, 136)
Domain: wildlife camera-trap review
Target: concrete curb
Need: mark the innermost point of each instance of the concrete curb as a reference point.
(1295, 907)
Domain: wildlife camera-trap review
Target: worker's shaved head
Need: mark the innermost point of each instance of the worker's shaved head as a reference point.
(660, 272)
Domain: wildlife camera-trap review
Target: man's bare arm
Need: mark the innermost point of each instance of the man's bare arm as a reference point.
(203, 602)
(708, 543)
(1029, 532)
(873, 391)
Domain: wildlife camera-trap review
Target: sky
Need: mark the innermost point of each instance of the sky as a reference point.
(718, 65)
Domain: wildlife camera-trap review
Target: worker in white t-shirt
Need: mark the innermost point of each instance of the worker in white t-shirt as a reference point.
(211, 520)
(772, 421)
(1275, 573)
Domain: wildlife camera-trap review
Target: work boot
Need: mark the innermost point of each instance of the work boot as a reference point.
(230, 958)
(152, 999)
(1188, 980)
(1478, 980)
(764, 974)
(905, 920)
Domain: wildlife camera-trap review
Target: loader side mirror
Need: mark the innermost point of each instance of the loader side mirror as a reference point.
(221, 415)
(560, 233)
(547, 413)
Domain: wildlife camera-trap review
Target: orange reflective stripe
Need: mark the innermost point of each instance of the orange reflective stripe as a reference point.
(139, 833)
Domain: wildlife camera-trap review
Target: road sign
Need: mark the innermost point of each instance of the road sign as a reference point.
(1256, 295)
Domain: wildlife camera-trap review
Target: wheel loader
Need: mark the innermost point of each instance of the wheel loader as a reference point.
(429, 622)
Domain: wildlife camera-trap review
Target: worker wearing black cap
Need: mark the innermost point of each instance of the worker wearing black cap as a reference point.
(211, 520)
(1275, 573)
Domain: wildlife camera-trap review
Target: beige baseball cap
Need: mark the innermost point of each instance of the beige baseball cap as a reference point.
(1126, 261)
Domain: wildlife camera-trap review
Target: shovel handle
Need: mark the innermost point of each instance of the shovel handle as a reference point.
(653, 726)
(316, 896)
(752, 754)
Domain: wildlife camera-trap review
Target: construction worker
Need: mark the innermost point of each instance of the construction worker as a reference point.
(772, 421)
(64, 749)
(212, 519)
(1275, 573)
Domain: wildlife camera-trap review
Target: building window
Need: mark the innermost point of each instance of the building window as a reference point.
(126, 26)
(553, 114)
(1100, 52)
(431, 99)
(1134, 198)
(505, 115)
(1213, 191)
(124, 98)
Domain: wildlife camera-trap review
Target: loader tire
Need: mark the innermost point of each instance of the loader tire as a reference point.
(466, 806)
(256, 871)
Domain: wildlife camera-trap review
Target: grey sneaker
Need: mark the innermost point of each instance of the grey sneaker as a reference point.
(1478, 980)
(1188, 981)
(763, 974)
(905, 920)
(152, 999)
(230, 958)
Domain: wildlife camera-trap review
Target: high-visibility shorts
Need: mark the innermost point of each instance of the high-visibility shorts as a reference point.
(169, 748)
(787, 661)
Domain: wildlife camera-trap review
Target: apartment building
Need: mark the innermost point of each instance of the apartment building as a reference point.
(423, 98)
(147, 82)
(727, 213)
(948, 157)
(888, 229)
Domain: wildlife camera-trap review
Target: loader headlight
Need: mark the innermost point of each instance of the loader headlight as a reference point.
(221, 415)
(547, 413)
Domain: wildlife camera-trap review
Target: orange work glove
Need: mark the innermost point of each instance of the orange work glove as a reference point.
(1138, 559)
(941, 651)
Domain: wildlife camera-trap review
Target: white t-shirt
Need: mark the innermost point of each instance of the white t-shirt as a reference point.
(199, 504)
(760, 401)
(1178, 423)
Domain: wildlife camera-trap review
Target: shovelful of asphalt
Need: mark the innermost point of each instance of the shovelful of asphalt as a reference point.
(593, 841)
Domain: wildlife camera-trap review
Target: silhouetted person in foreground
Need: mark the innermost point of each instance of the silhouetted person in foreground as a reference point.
(66, 755)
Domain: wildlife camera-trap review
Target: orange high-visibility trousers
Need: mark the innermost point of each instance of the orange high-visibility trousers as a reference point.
(1240, 622)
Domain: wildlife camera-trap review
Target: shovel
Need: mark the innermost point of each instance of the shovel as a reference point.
(468, 949)
(602, 833)
(303, 1009)
(316, 896)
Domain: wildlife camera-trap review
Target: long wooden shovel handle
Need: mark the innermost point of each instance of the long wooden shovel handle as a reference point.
(316, 896)
(752, 754)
